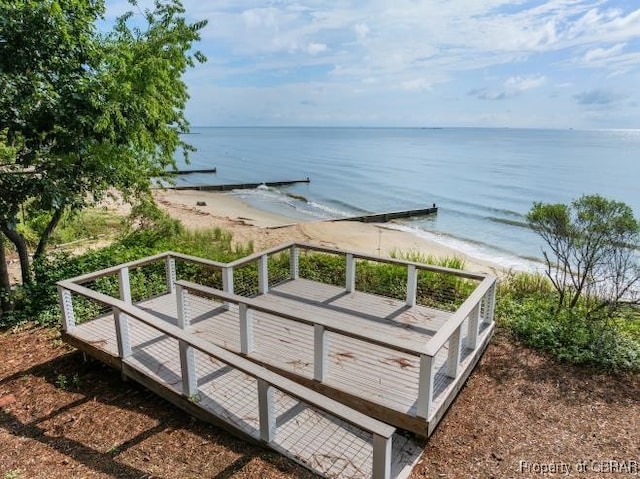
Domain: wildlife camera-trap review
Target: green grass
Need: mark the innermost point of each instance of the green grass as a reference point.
(88, 224)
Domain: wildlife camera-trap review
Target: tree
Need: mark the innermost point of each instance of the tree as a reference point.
(593, 255)
(87, 113)
(7, 157)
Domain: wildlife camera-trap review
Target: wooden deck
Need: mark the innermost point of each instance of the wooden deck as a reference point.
(366, 352)
(227, 397)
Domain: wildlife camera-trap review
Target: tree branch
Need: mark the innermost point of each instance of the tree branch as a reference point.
(23, 252)
(44, 239)
(5, 283)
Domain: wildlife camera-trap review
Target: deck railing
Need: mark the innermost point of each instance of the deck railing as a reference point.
(449, 335)
(267, 381)
(271, 261)
(257, 273)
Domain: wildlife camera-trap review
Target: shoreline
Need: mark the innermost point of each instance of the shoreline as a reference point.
(264, 229)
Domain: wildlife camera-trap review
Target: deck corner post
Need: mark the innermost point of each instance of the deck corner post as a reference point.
(246, 328)
(294, 262)
(267, 408)
(122, 333)
(412, 285)
(319, 352)
(453, 355)
(227, 283)
(491, 302)
(182, 300)
(227, 279)
(350, 273)
(425, 386)
(472, 335)
(124, 284)
(66, 306)
(382, 457)
(170, 273)
(263, 274)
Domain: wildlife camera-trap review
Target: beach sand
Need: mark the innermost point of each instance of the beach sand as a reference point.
(266, 229)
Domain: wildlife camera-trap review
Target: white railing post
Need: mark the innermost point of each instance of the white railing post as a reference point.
(381, 457)
(227, 283)
(124, 284)
(319, 352)
(425, 386)
(453, 356)
(66, 306)
(491, 303)
(187, 353)
(246, 329)
(294, 262)
(263, 274)
(350, 273)
(170, 274)
(267, 409)
(227, 280)
(412, 285)
(121, 319)
(484, 306)
(473, 325)
(122, 333)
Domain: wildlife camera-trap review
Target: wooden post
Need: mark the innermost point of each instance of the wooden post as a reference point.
(350, 273)
(182, 306)
(246, 329)
(294, 262)
(170, 273)
(491, 300)
(66, 306)
(122, 333)
(263, 274)
(453, 357)
(124, 285)
(187, 353)
(484, 306)
(227, 280)
(121, 319)
(472, 335)
(267, 409)
(319, 352)
(425, 386)
(227, 284)
(412, 285)
(381, 457)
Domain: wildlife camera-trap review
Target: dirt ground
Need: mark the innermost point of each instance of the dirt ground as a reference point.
(61, 417)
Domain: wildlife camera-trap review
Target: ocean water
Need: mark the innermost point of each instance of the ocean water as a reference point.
(483, 180)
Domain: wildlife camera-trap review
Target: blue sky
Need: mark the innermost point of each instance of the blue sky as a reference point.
(518, 63)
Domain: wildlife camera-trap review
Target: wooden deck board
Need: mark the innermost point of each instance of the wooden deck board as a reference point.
(370, 375)
(374, 373)
(325, 444)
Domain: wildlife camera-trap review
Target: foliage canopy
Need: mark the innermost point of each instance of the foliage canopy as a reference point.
(593, 253)
(84, 112)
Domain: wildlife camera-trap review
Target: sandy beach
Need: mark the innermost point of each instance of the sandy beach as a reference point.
(266, 229)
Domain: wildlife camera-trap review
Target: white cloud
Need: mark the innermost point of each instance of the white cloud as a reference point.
(524, 83)
(315, 48)
(436, 47)
(598, 54)
(416, 85)
(362, 30)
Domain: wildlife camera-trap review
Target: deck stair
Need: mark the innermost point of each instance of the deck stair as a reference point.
(262, 347)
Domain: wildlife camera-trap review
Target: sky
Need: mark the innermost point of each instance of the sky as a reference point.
(426, 63)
